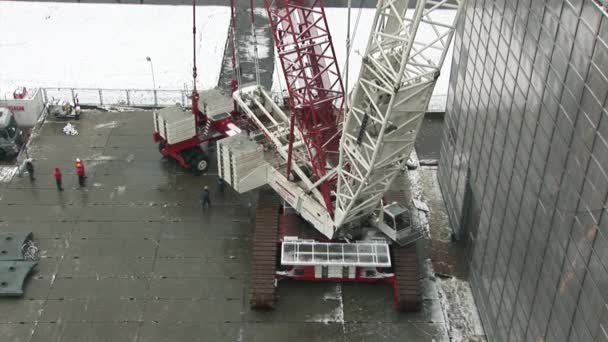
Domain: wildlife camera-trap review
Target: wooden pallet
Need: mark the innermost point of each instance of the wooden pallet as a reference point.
(263, 260)
(407, 290)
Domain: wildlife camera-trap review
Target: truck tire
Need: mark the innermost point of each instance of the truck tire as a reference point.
(199, 163)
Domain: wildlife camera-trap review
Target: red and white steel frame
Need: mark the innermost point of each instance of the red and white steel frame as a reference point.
(316, 94)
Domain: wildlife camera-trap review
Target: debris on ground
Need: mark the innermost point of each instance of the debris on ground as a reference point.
(69, 129)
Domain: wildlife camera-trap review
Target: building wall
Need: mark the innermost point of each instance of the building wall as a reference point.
(524, 165)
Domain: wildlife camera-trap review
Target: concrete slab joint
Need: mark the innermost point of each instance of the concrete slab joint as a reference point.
(15, 250)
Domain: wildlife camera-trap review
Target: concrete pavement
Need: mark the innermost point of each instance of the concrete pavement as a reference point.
(132, 257)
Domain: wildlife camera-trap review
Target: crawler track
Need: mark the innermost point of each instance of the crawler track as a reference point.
(407, 290)
(264, 254)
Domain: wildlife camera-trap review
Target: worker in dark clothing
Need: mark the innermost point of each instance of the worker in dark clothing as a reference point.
(29, 166)
(80, 171)
(205, 197)
(58, 178)
(220, 184)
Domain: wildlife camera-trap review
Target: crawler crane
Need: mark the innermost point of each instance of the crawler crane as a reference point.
(331, 162)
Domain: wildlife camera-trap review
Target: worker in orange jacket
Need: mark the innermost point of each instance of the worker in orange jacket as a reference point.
(58, 178)
(80, 171)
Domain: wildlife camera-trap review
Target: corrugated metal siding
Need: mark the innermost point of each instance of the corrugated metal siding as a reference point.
(527, 129)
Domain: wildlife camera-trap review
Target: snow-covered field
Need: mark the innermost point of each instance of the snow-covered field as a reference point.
(361, 24)
(105, 45)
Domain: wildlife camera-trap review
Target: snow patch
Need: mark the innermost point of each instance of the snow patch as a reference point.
(66, 33)
(98, 159)
(69, 129)
(110, 124)
(103, 158)
(7, 173)
(416, 193)
(455, 297)
(120, 189)
(247, 48)
(260, 11)
(337, 315)
(459, 307)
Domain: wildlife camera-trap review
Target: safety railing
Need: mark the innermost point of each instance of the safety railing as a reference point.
(118, 97)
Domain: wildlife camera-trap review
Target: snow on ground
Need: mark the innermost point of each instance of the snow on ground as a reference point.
(105, 45)
(7, 173)
(361, 25)
(457, 304)
(111, 124)
(457, 301)
(337, 315)
(416, 193)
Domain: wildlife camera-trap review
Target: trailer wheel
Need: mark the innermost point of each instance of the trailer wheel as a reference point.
(199, 163)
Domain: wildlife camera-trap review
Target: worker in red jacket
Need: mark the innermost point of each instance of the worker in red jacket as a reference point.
(80, 171)
(57, 175)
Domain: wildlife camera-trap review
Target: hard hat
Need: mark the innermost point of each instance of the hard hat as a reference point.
(78, 160)
(206, 187)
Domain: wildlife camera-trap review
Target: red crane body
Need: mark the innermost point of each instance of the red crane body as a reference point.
(316, 94)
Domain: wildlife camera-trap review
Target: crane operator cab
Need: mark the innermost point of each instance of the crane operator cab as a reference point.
(400, 223)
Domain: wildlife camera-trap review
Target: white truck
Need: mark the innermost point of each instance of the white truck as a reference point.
(27, 105)
(11, 136)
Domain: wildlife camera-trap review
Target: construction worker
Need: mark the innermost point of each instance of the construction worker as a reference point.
(80, 171)
(205, 197)
(58, 177)
(220, 184)
(29, 166)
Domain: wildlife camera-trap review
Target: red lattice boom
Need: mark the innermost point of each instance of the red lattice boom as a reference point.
(316, 94)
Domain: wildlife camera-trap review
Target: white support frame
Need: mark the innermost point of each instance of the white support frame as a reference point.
(398, 74)
(295, 252)
(251, 100)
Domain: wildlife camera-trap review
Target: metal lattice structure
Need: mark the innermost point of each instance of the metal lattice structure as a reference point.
(310, 252)
(316, 94)
(354, 160)
(400, 67)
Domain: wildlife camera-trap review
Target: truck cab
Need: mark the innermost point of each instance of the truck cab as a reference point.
(11, 136)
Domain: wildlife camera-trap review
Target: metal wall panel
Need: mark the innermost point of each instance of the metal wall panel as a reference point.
(527, 130)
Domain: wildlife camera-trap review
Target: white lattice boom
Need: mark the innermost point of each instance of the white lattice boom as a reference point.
(405, 51)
